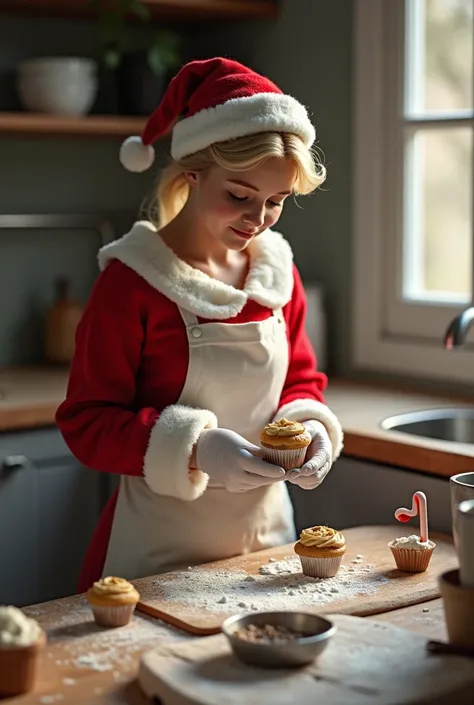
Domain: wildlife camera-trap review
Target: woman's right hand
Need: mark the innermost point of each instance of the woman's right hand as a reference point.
(233, 462)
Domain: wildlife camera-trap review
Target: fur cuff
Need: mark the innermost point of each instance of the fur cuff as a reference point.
(310, 409)
(166, 462)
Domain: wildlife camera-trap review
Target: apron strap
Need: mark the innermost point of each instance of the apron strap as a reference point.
(190, 319)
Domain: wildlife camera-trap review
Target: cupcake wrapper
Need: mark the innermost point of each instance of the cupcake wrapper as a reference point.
(19, 668)
(113, 616)
(287, 459)
(412, 560)
(320, 567)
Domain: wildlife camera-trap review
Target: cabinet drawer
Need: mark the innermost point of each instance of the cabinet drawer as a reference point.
(38, 445)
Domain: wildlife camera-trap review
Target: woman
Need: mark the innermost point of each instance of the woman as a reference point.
(193, 338)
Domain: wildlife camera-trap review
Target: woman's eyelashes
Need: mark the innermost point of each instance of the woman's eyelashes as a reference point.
(241, 199)
(237, 198)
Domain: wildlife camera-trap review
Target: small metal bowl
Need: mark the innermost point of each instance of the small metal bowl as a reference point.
(290, 653)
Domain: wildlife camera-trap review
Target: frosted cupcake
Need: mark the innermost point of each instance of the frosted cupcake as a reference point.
(411, 554)
(21, 642)
(285, 443)
(320, 550)
(113, 601)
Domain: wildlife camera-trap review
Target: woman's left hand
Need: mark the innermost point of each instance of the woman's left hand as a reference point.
(318, 459)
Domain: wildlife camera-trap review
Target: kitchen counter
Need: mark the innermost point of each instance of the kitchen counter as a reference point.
(32, 395)
(83, 663)
(29, 396)
(362, 407)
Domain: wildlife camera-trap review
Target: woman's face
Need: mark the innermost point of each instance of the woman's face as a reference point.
(235, 207)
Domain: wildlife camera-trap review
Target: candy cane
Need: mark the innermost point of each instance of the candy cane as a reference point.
(418, 507)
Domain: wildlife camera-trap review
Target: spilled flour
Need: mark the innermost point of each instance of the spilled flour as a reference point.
(277, 581)
(77, 642)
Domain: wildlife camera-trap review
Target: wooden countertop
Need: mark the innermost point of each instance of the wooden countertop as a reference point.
(83, 663)
(362, 407)
(30, 397)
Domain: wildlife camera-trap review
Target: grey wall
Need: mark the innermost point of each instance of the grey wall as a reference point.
(52, 175)
(306, 50)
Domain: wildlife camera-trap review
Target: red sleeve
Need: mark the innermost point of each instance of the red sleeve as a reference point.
(98, 419)
(302, 397)
(303, 380)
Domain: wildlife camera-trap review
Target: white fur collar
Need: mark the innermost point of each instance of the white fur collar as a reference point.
(269, 281)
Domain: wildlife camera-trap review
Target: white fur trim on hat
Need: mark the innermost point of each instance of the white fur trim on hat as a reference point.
(263, 112)
(166, 462)
(136, 156)
(310, 409)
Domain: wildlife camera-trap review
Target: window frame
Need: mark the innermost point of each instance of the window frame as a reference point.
(389, 335)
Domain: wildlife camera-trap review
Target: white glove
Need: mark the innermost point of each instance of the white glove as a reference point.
(233, 462)
(318, 460)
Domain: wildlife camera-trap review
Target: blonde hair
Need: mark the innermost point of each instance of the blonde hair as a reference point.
(239, 154)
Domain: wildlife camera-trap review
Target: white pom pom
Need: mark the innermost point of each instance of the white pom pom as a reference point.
(136, 156)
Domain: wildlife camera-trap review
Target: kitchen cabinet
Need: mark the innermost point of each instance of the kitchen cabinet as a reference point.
(358, 492)
(49, 506)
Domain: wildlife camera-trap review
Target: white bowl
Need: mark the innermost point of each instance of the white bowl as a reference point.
(57, 86)
(72, 66)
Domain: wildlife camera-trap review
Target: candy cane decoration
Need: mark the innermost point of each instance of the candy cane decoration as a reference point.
(418, 507)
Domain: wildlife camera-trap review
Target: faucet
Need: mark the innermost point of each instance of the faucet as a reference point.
(456, 333)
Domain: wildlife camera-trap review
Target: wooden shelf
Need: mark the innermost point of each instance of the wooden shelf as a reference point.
(89, 125)
(160, 9)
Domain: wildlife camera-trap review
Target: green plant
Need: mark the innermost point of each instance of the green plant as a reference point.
(163, 49)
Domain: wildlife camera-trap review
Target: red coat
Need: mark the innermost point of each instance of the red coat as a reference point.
(131, 359)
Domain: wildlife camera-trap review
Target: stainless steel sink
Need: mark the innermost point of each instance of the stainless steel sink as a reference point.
(455, 424)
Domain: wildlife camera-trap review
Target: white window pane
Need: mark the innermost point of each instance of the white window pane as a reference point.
(437, 234)
(439, 56)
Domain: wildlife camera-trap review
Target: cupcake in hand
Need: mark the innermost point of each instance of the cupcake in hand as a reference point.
(113, 601)
(320, 550)
(285, 443)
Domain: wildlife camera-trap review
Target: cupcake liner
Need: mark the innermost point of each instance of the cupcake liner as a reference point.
(19, 668)
(287, 459)
(412, 560)
(117, 616)
(320, 567)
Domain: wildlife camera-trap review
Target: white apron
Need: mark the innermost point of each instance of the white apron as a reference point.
(238, 372)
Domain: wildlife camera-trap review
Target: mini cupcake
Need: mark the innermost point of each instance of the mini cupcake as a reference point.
(21, 642)
(113, 601)
(320, 550)
(411, 554)
(285, 443)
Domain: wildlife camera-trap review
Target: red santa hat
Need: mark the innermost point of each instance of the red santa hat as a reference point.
(215, 100)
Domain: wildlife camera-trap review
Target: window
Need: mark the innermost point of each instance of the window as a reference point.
(413, 184)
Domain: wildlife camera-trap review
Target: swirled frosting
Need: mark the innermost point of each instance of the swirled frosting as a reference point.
(322, 537)
(109, 586)
(283, 427)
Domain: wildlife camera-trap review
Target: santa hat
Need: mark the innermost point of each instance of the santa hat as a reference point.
(215, 100)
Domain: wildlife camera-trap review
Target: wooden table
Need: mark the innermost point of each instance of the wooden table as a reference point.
(86, 664)
(77, 650)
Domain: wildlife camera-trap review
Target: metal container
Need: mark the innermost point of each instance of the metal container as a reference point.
(290, 653)
(465, 525)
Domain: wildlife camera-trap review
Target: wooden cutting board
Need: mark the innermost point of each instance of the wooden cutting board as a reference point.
(366, 662)
(391, 589)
